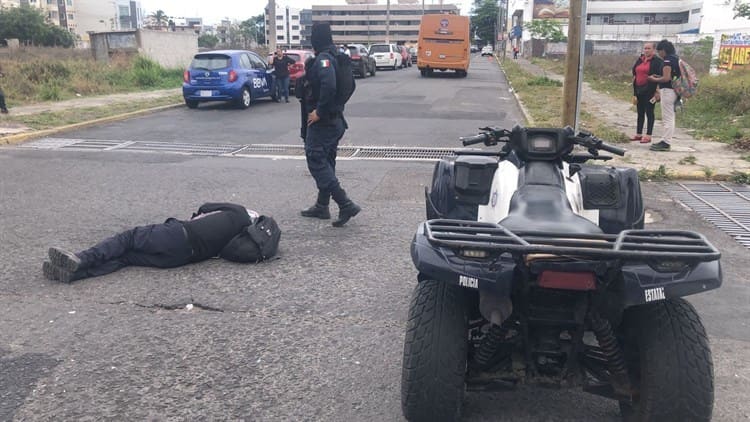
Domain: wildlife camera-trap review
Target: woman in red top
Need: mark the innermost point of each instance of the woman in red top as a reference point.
(644, 91)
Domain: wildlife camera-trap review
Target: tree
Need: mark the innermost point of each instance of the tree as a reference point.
(30, 27)
(484, 20)
(742, 10)
(208, 41)
(159, 18)
(546, 29)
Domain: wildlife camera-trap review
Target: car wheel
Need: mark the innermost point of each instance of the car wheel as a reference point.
(363, 70)
(395, 65)
(372, 71)
(191, 103)
(245, 99)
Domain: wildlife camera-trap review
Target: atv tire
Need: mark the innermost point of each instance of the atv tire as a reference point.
(435, 351)
(669, 362)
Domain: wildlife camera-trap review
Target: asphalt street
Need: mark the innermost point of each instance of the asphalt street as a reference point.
(314, 335)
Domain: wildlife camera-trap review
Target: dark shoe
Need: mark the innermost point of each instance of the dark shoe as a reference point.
(661, 146)
(53, 272)
(4, 110)
(317, 211)
(346, 212)
(287, 100)
(64, 259)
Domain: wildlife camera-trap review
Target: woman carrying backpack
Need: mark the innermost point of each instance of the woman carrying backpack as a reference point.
(670, 70)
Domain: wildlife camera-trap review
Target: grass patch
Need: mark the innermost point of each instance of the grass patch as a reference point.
(49, 120)
(690, 159)
(746, 157)
(542, 98)
(31, 80)
(661, 174)
(740, 177)
(709, 172)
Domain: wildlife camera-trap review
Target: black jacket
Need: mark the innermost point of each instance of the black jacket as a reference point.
(281, 66)
(655, 69)
(213, 226)
(321, 75)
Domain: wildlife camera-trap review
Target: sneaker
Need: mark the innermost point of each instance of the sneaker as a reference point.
(678, 105)
(64, 259)
(55, 273)
(661, 146)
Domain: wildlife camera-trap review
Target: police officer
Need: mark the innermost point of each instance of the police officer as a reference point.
(167, 245)
(3, 107)
(325, 126)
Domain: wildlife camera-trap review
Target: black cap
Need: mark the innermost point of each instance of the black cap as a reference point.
(321, 36)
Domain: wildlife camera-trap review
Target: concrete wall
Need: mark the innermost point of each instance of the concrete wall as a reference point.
(169, 49)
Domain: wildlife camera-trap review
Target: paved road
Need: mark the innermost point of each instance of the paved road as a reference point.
(314, 335)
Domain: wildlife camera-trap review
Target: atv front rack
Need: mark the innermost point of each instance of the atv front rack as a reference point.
(672, 245)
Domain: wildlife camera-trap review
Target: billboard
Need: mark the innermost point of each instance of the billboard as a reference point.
(551, 9)
(734, 51)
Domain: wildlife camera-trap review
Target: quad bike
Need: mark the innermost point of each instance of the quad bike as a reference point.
(534, 268)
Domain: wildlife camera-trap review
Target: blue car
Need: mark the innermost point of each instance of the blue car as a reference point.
(226, 75)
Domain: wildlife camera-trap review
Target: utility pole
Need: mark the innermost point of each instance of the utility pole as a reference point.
(574, 63)
(388, 22)
(272, 22)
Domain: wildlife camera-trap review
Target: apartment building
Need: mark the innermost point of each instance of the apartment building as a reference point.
(83, 16)
(288, 26)
(362, 22)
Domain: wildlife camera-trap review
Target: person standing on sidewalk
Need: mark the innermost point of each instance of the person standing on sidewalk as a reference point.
(3, 107)
(644, 91)
(281, 65)
(670, 70)
(325, 128)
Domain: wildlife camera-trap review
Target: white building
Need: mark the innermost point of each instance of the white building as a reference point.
(58, 12)
(288, 26)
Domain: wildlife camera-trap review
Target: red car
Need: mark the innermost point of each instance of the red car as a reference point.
(297, 69)
(405, 55)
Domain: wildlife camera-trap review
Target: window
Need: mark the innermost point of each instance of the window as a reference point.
(295, 37)
(124, 10)
(295, 27)
(70, 16)
(279, 38)
(279, 27)
(245, 61)
(279, 17)
(50, 1)
(69, 2)
(295, 17)
(257, 62)
(695, 11)
(210, 62)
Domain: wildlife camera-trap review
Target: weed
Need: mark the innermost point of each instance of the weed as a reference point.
(709, 172)
(690, 159)
(740, 177)
(544, 81)
(659, 175)
(746, 157)
(50, 92)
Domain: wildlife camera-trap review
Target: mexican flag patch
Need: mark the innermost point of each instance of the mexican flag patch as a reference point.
(325, 63)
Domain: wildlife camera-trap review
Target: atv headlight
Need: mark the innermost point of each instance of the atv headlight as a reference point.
(474, 253)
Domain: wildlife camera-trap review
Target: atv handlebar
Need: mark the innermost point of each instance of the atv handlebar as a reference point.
(475, 139)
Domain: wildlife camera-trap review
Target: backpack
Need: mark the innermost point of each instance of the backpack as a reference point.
(345, 84)
(256, 242)
(687, 83)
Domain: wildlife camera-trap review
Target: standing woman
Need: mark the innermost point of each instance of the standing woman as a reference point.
(644, 91)
(670, 70)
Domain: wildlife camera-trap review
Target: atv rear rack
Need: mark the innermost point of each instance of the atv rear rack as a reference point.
(673, 245)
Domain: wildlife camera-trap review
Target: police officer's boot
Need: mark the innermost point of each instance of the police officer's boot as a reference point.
(347, 207)
(320, 209)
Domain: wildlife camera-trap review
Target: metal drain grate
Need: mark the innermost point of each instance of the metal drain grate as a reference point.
(254, 150)
(726, 206)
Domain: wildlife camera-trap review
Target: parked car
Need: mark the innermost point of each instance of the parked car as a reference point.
(238, 76)
(387, 55)
(474, 49)
(487, 50)
(413, 54)
(296, 70)
(362, 63)
(405, 56)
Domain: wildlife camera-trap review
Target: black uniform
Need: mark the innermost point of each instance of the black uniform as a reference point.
(171, 244)
(3, 107)
(322, 137)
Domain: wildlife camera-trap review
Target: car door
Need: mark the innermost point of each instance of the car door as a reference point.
(369, 64)
(261, 80)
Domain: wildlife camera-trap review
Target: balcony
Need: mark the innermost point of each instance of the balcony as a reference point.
(635, 32)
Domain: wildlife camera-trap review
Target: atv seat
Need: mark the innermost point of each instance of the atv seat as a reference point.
(545, 208)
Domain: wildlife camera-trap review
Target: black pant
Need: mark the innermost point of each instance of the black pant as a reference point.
(157, 245)
(2, 100)
(645, 110)
(321, 144)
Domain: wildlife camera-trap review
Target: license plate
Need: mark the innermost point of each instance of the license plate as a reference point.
(205, 93)
(442, 56)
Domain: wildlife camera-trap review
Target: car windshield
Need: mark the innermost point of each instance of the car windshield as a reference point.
(211, 62)
(294, 57)
(381, 48)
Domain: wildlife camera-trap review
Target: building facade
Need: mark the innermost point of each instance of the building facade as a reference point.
(375, 23)
(288, 23)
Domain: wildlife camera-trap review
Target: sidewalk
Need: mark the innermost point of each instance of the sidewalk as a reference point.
(10, 128)
(711, 157)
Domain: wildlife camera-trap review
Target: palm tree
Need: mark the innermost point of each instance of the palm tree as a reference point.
(159, 18)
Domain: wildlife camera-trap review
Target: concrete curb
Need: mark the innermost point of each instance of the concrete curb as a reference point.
(526, 114)
(27, 136)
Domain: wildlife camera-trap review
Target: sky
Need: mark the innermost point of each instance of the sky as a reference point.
(213, 11)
